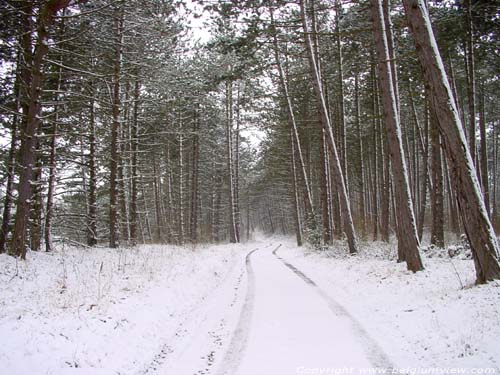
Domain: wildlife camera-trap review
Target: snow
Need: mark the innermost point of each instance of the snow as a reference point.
(293, 327)
(432, 319)
(240, 309)
(102, 311)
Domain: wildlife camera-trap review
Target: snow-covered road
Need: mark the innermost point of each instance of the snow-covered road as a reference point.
(240, 309)
(295, 329)
(270, 318)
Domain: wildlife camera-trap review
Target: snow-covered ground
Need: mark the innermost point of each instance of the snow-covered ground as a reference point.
(435, 320)
(229, 310)
(104, 311)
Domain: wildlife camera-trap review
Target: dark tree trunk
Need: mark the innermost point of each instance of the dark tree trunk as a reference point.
(483, 152)
(437, 197)
(134, 149)
(11, 165)
(49, 212)
(361, 193)
(193, 227)
(326, 124)
(27, 150)
(92, 166)
(464, 179)
(114, 236)
(406, 230)
(295, 196)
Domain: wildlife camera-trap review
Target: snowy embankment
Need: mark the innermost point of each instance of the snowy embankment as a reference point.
(103, 311)
(436, 318)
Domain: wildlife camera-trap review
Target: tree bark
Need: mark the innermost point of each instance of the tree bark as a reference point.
(27, 151)
(11, 163)
(483, 152)
(326, 124)
(295, 196)
(292, 123)
(464, 179)
(233, 230)
(134, 149)
(115, 128)
(437, 198)
(193, 225)
(49, 212)
(406, 231)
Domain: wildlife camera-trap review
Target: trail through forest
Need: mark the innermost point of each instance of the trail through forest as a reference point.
(239, 309)
(295, 329)
(286, 325)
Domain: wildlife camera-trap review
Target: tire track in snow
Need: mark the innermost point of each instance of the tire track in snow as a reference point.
(374, 352)
(239, 340)
(197, 316)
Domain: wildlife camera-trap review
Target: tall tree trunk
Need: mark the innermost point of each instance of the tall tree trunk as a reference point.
(37, 203)
(464, 179)
(157, 194)
(295, 196)
(181, 231)
(340, 79)
(115, 131)
(193, 227)
(233, 231)
(406, 230)
(361, 193)
(134, 149)
(496, 153)
(27, 151)
(471, 79)
(437, 198)
(376, 146)
(49, 212)
(324, 189)
(236, 165)
(483, 151)
(11, 162)
(92, 166)
(325, 120)
(310, 217)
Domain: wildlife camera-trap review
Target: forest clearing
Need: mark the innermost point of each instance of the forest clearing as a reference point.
(249, 187)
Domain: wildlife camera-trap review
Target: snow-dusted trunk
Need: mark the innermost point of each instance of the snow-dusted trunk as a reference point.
(408, 242)
(92, 167)
(115, 131)
(437, 192)
(495, 198)
(49, 211)
(193, 217)
(233, 230)
(156, 194)
(326, 124)
(471, 80)
(425, 181)
(236, 165)
(341, 97)
(35, 230)
(361, 182)
(181, 223)
(324, 188)
(463, 175)
(375, 157)
(27, 152)
(483, 152)
(11, 165)
(134, 148)
(292, 123)
(295, 195)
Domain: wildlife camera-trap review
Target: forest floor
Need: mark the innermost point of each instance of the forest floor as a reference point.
(265, 307)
